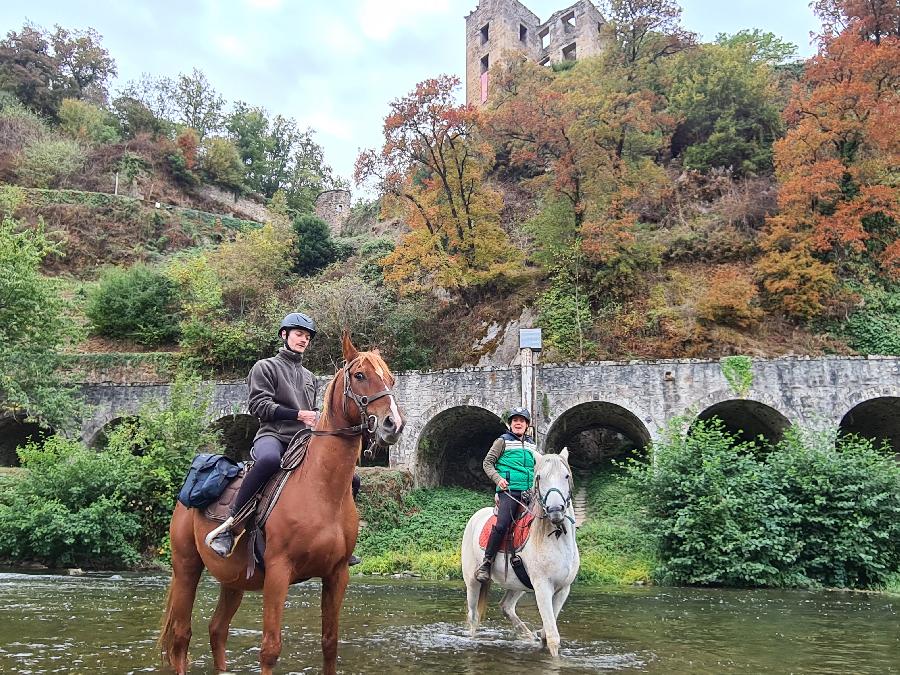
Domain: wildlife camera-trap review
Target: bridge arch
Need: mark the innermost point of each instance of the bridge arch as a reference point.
(877, 419)
(100, 437)
(748, 419)
(453, 442)
(595, 431)
(16, 431)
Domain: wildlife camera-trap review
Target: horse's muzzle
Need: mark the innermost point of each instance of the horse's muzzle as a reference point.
(388, 431)
(556, 514)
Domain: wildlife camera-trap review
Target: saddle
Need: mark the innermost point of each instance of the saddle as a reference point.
(516, 536)
(253, 516)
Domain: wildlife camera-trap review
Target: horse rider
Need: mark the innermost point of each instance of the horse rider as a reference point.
(510, 464)
(283, 397)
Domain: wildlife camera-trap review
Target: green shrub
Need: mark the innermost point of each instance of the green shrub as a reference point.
(70, 507)
(875, 328)
(802, 513)
(87, 123)
(372, 253)
(47, 162)
(138, 303)
(565, 312)
(222, 164)
(315, 248)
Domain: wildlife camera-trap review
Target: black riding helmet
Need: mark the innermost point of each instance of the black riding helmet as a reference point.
(296, 320)
(519, 412)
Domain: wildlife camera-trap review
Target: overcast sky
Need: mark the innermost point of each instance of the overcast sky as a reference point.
(332, 64)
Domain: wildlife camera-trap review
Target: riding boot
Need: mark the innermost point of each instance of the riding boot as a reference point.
(483, 573)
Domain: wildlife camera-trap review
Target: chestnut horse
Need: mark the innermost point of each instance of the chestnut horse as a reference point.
(310, 533)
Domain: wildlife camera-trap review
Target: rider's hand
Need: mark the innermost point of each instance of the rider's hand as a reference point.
(308, 417)
(503, 484)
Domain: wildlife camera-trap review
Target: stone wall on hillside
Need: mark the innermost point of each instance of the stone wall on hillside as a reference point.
(239, 207)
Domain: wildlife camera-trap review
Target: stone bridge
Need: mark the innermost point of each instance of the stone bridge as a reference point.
(596, 409)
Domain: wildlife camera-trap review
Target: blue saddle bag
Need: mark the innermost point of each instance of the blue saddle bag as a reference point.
(207, 478)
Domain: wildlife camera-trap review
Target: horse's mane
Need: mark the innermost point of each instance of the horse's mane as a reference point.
(378, 364)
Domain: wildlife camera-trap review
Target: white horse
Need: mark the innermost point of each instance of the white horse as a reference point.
(550, 555)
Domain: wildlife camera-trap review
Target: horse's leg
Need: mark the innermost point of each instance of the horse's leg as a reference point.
(508, 605)
(559, 599)
(333, 589)
(543, 594)
(275, 590)
(229, 601)
(473, 614)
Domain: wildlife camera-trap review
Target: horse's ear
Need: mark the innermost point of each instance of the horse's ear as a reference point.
(350, 352)
(565, 455)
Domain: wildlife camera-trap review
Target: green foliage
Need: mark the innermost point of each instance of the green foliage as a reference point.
(137, 303)
(47, 162)
(726, 97)
(221, 163)
(804, 513)
(874, 328)
(70, 507)
(180, 172)
(33, 330)
(87, 123)
(315, 248)
(614, 547)
(11, 197)
(738, 372)
(417, 521)
(373, 253)
(553, 230)
(77, 506)
(565, 313)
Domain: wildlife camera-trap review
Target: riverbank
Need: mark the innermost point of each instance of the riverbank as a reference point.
(418, 532)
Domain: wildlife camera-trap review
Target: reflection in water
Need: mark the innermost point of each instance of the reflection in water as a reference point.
(107, 624)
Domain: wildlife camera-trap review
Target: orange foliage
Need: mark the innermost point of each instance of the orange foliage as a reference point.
(188, 141)
(836, 161)
(731, 298)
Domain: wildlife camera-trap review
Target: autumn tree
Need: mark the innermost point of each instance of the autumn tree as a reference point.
(434, 164)
(838, 200)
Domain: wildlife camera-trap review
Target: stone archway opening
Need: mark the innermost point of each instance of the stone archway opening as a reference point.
(237, 432)
(16, 431)
(877, 419)
(596, 432)
(101, 438)
(748, 420)
(452, 446)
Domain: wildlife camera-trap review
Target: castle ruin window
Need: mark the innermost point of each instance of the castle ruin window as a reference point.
(523, 33)
(568, 52)
(485, 34)
(544, 61)
(568, 22)
(485, 64)
(544, 35)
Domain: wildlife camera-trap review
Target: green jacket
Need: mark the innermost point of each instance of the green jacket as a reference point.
(510, 458)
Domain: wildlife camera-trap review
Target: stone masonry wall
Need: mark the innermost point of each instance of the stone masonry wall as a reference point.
(811, 391)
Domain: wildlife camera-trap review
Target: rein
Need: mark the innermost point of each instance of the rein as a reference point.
(368, 423)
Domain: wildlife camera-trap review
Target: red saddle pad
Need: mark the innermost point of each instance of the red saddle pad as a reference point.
(519, 531)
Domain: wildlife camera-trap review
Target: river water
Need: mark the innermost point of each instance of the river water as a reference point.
(106, 623)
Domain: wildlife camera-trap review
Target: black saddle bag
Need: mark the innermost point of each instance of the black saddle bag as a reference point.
(207, 478)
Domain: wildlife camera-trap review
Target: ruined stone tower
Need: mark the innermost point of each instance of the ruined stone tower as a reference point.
(333, 206)
(500, 27)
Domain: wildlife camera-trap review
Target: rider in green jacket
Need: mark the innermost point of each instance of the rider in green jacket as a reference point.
(510, 464)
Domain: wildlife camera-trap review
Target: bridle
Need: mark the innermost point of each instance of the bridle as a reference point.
(368, 423)
(542, 500)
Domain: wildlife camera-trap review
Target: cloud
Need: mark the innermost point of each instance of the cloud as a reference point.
(264, 4)
(379, 20)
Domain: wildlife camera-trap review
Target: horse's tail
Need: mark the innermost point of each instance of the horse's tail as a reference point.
(166, 631)
(482, 600)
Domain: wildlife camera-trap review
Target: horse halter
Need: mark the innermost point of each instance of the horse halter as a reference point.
(368, 423)
(542, 500)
